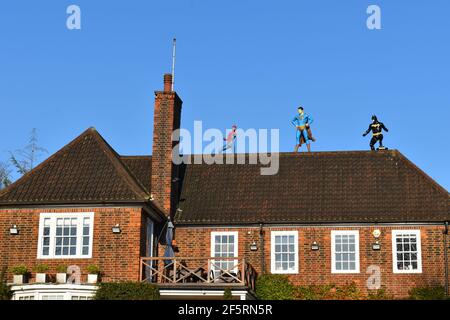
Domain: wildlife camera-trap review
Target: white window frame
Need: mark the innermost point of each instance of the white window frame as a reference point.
(274, 234)
(53, 216)
(395, 233)
(335, 233)
(213, 243)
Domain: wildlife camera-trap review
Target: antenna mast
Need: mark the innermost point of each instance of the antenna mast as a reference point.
(173, 61)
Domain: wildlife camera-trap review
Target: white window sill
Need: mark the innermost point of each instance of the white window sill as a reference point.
(345, 272)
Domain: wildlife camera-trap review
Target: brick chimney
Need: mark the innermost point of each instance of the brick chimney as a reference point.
(167, 116)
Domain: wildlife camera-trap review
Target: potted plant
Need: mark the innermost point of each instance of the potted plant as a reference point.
(61, 273)
(41, 276)
(93, 272)
(19, 272)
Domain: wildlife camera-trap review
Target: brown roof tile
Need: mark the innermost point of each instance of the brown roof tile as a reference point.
(320, 187)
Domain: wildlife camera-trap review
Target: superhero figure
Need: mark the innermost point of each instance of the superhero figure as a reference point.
(377, 132)
(303, 133)
(229, 140)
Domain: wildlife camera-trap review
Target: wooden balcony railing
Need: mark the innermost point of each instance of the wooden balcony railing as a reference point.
(203, 271)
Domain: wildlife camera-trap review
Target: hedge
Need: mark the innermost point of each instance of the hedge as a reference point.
(428, 293)
(127, 291)
(274, 287)
(5, 293)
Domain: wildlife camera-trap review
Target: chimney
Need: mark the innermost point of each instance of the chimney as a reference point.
(167, 115)
(167, 82)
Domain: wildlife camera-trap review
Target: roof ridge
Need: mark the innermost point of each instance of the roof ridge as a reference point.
(422, 173)
(123, 170)
(130, 172)
(293, 154)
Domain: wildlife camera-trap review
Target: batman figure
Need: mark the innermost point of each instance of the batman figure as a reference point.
(377, 133)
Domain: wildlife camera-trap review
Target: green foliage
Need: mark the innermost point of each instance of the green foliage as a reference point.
(5, 293)
(314, 292)
(127, 291)
(93, 269)
(61, 268)
(427, 293)
(19, 270)
(379, 294)
(227, 294)
(274, 287)
(41, 268)
(348, 291)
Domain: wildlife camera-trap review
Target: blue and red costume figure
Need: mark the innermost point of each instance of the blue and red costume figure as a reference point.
(303, 133)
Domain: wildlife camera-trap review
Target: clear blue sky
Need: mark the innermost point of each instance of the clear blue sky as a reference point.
(249, 62)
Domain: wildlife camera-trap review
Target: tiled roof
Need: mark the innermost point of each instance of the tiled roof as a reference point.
(141, 167)
(85, 170)
(322, 187)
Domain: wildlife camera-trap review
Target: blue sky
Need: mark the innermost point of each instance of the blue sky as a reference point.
(247, 62)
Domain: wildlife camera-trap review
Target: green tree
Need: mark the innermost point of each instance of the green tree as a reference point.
(25, 159)
(5, 175)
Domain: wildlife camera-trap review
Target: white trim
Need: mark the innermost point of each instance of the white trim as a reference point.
(224, 233)
(274, 234)
(395, 233)
(187, 294)
(213, 242)
(67, 291)
(333, 251)
(56, 215)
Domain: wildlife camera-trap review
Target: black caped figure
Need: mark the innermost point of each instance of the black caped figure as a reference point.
(377, 133)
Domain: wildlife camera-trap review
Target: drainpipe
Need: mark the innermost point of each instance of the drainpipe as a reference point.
(261, 243)
(446, 257)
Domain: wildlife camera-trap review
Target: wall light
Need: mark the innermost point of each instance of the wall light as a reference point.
(116, 229)
(253, 246)
(315, 246)
(13, 230)
(376, 246)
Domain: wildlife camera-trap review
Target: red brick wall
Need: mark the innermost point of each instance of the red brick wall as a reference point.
(167, 115)
(315, 266)
(117, 255)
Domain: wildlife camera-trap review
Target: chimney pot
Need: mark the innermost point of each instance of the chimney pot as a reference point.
(168, 82)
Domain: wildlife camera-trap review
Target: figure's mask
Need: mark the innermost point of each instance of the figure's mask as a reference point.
(374, 119)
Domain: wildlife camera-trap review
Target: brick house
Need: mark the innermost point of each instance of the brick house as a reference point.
(326, 217)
